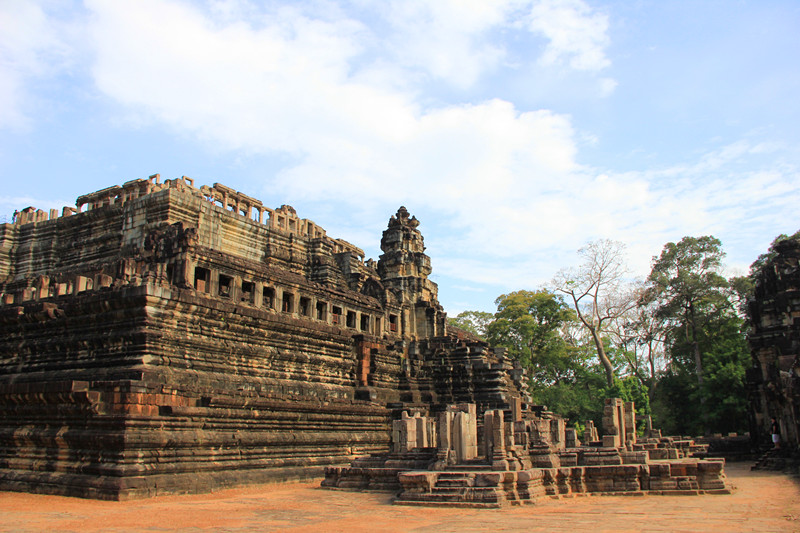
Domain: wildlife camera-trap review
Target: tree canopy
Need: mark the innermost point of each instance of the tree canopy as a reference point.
(598, 292)
(674, 343)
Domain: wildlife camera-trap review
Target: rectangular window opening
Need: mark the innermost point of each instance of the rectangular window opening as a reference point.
(336, 315)
(201, 278)
(393, 323)
(288, 300)
(225, 285)
(268, 298)
(322, 311)
(351, 319)
(305, 306)
(248, 292)
(364, 322)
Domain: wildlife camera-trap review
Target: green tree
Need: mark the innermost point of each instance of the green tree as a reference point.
(577, 397)
(676, 403)
(685, 287)
(726, 360)
(706, 343)
(540, 330)
(528, 323)
(474, 322)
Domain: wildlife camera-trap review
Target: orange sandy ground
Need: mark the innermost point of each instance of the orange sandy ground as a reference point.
(762, 501)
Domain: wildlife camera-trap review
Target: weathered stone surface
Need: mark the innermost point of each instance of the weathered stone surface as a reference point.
(774, 380)
(176, 339)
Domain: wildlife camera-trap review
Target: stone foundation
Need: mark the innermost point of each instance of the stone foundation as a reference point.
(510, 470)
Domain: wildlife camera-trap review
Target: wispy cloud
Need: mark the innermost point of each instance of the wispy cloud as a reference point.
(578, 35)
(31, 47)
(341, 91)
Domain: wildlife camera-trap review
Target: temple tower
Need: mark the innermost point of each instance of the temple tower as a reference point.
(404, 269)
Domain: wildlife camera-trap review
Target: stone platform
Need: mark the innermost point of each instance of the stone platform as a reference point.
(525, 460)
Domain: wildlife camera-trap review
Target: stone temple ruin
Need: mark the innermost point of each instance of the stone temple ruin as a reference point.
(173, 339)
(774, 380)
(525, 456)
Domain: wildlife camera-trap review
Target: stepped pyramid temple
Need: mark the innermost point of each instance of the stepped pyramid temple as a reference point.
(161, 338)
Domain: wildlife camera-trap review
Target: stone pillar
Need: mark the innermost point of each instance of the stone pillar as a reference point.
(630, 424)
(82, 283)
(499, 461)
(422, 431)
(516, 409)
(571, 438)
(396, 436)
(590, 433)
(444, 438)
(557, 428)
(488, 425)
(613, 423)
(465, 442)
(404, 433)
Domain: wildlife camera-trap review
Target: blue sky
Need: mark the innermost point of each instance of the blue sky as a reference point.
(515, 130)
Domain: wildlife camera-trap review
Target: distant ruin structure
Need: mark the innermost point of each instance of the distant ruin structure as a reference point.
(774, 380)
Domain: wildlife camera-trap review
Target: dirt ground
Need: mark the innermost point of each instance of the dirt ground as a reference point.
(762, 501)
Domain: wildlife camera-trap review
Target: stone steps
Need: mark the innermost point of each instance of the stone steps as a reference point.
(470, 468)
(461, 504)
(456, 489)
(455, 496)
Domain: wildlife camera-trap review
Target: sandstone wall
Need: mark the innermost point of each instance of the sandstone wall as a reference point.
(159, 342)
(774, 380)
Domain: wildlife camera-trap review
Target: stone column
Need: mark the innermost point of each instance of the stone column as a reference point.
(613, 428)
(630, 424)
(444, 439)
(499, 461)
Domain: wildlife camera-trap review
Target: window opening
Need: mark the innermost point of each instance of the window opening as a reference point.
(268, 297)
(305, 306)
(201, 277)
(248, 292)
(322, 311)
(287, 302)
(225, 285)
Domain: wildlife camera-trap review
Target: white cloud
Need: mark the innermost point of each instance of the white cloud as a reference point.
(502, 185)
(447, 38)
(291, 85)
(577, 35)
(457, 41)
(30, 47)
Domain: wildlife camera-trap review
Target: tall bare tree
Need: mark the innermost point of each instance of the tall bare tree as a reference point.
(641, 336)
(599, 291)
